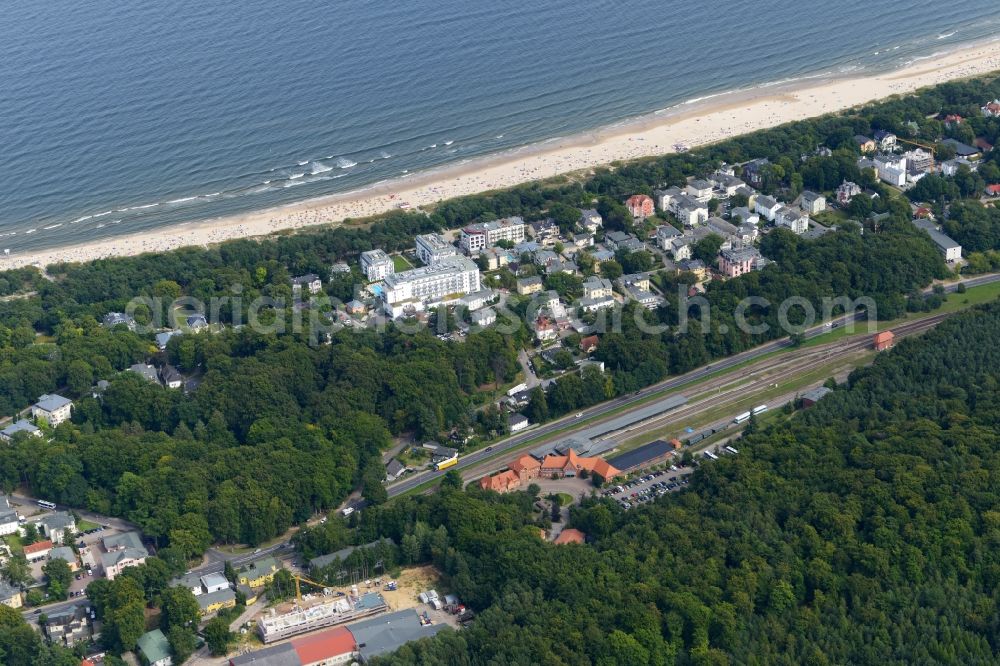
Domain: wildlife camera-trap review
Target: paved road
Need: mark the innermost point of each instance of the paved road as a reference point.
(587, 415)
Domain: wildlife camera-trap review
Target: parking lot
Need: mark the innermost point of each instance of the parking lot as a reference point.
(648, 487)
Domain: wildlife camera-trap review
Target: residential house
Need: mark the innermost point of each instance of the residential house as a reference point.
(258, 573)
(953, 120)
(583, 240)
(811, 202)
(747, 233)
(595, 303)
(570, 535)
(340, 268)
(885, 140)
(766, 207)
(595, 287)
(484, 317)
(25, 426)
(529, 285)
(545, 231)
(356, 308)
(727, 184)
(52, 408)
(640, 206)
(58, 527)
(951, 167)
(963, 149)
(753, 171)
(699, 189)
(68, 627)
(196, 322)
(792, 219)
(664, 234)
(720, 227)
(733, 263)
(10, 596)
(477, 299)
(154, 648)
(545, 329)
(918, 161)
(171, 377)
(517, 422)
(309, 282)
(146, 371)
(690, 211)
(394, 469)
(112, 319)
(620, 241)
(644, 297)
(481, 235)
(865, 144)
(591, 220)
(993, 190)
(122, 551)
(588, 344)
(212, 602)
(38, 550)
(638, 280)
(9, 522)
(214, 582)
(164, 337)
(992, 109)
(694, 266)
(847, 191)
(744, 215)
(377, 265)
(890, 169)
(67, 555)
(432, 248)
(664, 199)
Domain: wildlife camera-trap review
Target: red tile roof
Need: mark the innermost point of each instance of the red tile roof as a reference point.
(570, 535)
(324, 645)
(38, 547)
(993, 189)
(884, 336)
(501, 483)
(524, 463)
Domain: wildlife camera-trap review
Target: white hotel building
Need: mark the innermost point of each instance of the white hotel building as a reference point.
(376, 265)
(477, 237)
(432, 248)
(428, 286)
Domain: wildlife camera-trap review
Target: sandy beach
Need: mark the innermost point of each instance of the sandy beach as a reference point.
(691, 125)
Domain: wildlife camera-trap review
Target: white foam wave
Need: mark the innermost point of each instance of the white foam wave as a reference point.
(295, 176)
(319, 167)
(181, 200)
(499, 136)
(448, 143)
(946, 35)
(52, 226)
(384, 155)
(82, 219)
(345, 163)
(30, 231)
(303, 162)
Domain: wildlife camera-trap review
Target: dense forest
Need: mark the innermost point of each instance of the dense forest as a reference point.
(280, 427)
(864, 529)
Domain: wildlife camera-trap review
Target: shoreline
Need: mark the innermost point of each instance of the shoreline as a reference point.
(698, 122)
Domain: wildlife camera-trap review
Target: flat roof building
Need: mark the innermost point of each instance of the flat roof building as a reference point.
(420, 288)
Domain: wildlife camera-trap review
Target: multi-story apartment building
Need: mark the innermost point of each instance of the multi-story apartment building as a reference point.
(479, 236)
(376, 265)
(432, 248)
(417, 289)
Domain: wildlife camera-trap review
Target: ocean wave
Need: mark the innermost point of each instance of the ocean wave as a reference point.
(345, 163)
(303, 162)
(181, 200)
(52, 226)
(30, 231)
(448, 143)
(295, 176)
(319, 167)
(946, 35)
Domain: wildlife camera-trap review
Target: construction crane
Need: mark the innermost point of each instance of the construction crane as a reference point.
(931, 149)
(303, 579)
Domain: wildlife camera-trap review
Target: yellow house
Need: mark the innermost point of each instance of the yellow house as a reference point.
(250, 595)
(10, 596)
(213, 602)
(259, 573)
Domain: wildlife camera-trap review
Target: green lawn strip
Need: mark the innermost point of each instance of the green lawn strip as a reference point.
(400, 263)
(84, 525)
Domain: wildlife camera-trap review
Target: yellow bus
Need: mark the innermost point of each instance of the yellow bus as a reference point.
(445, 464)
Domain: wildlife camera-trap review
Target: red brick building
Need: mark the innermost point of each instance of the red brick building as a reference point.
(884, 340)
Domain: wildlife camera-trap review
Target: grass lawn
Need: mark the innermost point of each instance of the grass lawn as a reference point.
(84, 525)
(565, 499)
(14, 541)
(400, 262)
